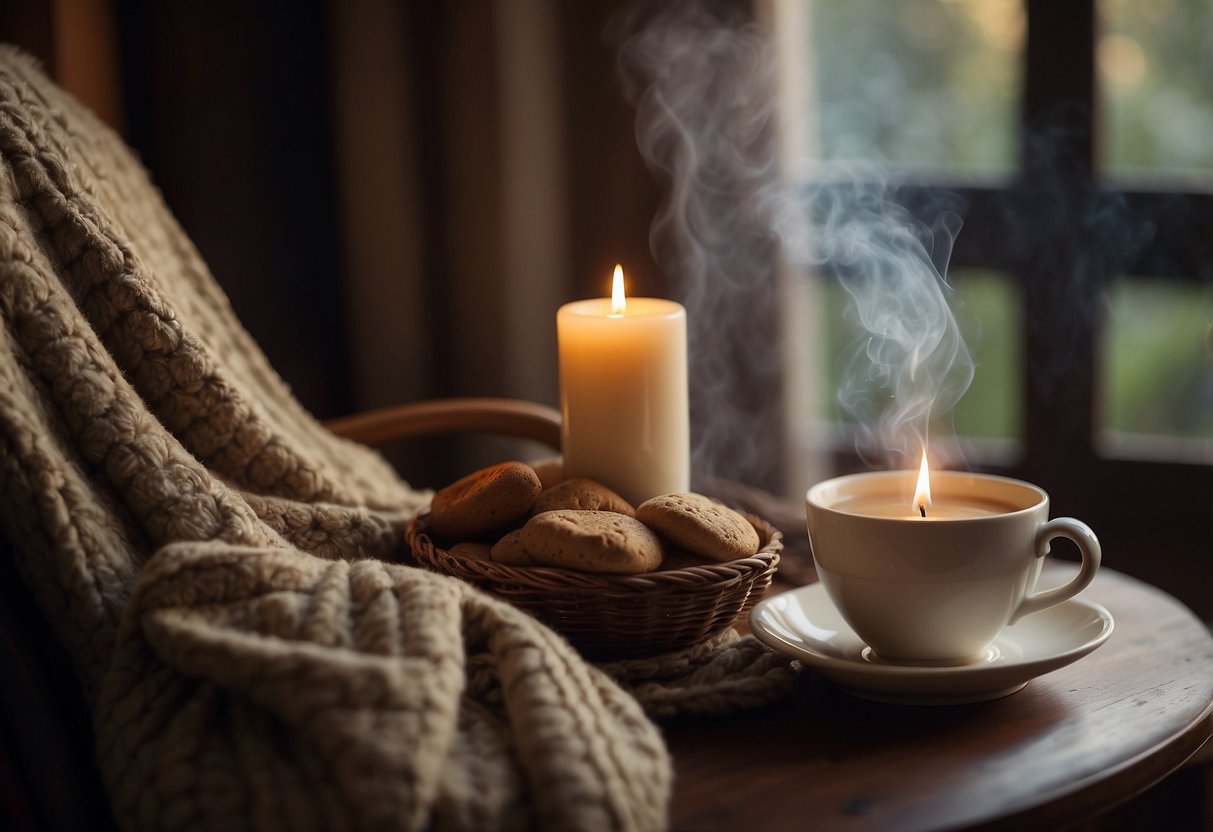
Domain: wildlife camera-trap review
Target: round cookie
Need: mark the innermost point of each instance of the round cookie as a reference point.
(484, 501)
(700, 525)
(591, 541)
(584, 494)
(510, 551)
(550, 470)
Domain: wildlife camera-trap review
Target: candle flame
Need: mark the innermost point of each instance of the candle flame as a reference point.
(922, 494)
(619, 303)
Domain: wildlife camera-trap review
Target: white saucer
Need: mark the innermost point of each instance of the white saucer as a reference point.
(804, 624)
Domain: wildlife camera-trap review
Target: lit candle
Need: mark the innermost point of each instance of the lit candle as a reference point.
(922, 507)
(623, 392)
(922, 491)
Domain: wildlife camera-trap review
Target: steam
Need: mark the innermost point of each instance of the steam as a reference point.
(911, 367)
(702, 83)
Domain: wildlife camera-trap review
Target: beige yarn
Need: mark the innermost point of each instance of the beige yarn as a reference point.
(217, 564)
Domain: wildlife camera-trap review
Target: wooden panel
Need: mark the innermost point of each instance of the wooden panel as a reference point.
(86, 57)
(31, 26)
(227, 108)
(612, 197)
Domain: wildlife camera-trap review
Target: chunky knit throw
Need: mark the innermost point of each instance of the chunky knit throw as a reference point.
(221, 568)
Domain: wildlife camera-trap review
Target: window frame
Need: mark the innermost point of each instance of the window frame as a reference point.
(1152, 511)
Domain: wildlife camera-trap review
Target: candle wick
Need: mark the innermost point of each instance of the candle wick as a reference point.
(922, 510)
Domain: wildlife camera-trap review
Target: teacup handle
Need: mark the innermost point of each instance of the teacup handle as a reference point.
(1088, 547)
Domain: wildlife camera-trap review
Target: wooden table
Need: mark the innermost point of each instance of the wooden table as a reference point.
(1068, 746)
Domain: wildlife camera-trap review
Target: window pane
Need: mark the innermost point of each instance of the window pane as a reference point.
(991, 322)
(928, 85)
(1155, 65)
(988, 310)
(1158, 371)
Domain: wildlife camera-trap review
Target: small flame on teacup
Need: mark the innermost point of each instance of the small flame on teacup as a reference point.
(922, 494)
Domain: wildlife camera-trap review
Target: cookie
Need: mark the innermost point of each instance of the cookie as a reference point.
(591, 541)
(700, 525)
(550, 470)
(584, 494)
(484, 501)
(510, 551)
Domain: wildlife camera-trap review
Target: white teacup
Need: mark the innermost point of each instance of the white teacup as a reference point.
(937, 588)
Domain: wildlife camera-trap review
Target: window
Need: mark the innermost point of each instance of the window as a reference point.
(1073, 139)
(988, 308)
(929, 86)
(1155, 70)
(1157, 368)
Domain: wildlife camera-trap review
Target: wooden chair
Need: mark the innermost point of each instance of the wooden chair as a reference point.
(504, 417)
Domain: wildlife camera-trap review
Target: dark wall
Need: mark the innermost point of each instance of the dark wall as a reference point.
(227, 104)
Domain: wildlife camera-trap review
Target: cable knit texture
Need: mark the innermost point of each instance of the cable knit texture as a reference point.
(220, 567)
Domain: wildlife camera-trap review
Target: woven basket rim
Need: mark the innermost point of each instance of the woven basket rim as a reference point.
(427, 552)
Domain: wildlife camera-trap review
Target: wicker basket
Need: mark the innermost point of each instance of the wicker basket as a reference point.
(617, 616)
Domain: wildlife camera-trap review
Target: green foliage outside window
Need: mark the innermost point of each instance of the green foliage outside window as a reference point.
(932, 87)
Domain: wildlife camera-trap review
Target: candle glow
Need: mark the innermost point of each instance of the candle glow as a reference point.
(922, 494)
(619, 302)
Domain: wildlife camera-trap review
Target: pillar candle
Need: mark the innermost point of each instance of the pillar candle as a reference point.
(623, 391)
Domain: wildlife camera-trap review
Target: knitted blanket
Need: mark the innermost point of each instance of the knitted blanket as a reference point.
(225, 573)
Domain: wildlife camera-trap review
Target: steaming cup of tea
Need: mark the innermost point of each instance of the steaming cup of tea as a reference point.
(938, 588)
